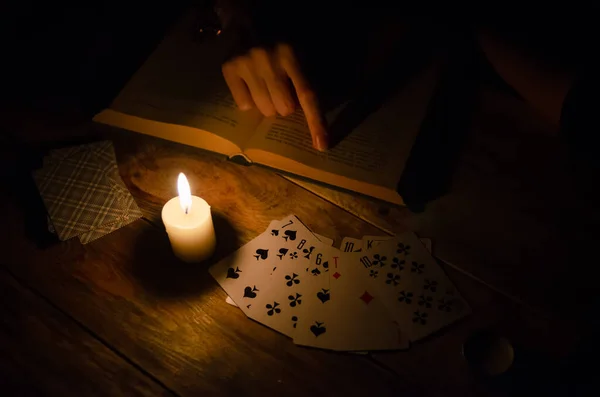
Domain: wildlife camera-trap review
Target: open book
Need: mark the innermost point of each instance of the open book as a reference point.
(180, 95)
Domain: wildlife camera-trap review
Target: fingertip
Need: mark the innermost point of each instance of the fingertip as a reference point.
(286, 110)
(321, 142)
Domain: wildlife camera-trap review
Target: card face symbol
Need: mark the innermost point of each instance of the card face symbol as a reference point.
(233, 273)
(308, 252)
(366, 297)
(289, 234)
(295, 321)
(379, 260)
(403, 249)
(282, 253)
(250, 292)
(418, 268)
(445, 305)
(295, 300)
(274, 232)
(420, 318)
(398, 264)
(366, 261)
(393, 279)
(261, 254)
(426, 301)
(315, 272)
(273, 308)
(430, 285)
(324, 295)
(291, 280)
(405, 297)
(318, 329)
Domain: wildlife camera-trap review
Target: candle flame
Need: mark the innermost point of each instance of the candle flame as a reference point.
(185, 196)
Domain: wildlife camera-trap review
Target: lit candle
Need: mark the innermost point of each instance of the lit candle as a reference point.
(189, 224)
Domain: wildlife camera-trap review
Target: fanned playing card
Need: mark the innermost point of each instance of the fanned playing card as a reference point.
(294, 284)
(414, 287)
(352, 317)
(378, 295)
(244, 275)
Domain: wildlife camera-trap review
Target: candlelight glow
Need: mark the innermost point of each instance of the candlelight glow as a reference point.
(185, 196)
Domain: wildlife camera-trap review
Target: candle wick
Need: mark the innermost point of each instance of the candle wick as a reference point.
(186, 210)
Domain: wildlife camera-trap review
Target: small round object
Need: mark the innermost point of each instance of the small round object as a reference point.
(489, 354)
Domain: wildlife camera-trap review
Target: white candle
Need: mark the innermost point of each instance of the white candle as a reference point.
(189, 224)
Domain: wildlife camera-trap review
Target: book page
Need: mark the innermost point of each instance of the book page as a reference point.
(374, 152)
(181, 83)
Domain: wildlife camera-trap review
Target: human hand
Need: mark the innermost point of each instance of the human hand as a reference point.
(262, 78)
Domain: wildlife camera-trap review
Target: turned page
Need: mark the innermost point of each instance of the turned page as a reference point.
(375, 152)
(181, 84)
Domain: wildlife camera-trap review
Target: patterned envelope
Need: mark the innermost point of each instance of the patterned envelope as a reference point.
(83, 192)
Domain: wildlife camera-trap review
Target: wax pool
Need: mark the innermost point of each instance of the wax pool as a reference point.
(191, 234)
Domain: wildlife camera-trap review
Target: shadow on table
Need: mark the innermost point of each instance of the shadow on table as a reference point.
(538, 373)
(161, 274)
(535, 372)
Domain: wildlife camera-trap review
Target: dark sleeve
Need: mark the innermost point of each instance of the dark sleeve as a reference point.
(263, 23)
(579, 122)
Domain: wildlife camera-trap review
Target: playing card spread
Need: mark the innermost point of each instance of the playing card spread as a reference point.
(83, 192)
(414, 288)
(348, 299)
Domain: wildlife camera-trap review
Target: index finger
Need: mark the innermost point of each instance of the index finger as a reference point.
(307, 98)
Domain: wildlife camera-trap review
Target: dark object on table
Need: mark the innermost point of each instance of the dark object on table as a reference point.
(488, 354)
(516, 370)
(430, 166)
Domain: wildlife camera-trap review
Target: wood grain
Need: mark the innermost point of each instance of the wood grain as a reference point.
(45, 353)
(516, 217)
(172, 320)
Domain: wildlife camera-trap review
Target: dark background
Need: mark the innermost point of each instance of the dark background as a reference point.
(59, 56)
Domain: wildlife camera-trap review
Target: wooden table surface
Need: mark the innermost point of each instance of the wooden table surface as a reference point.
(121, 316)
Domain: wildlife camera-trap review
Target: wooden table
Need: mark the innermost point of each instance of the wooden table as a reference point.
(121, 316)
